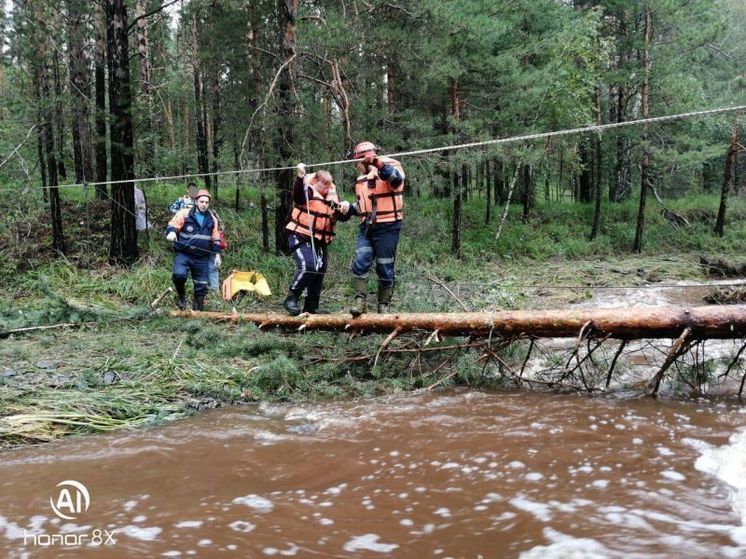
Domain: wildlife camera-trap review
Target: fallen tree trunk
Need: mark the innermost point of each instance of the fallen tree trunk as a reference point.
(721, 321)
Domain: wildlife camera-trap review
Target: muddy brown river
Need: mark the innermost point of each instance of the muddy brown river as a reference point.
(456, 474)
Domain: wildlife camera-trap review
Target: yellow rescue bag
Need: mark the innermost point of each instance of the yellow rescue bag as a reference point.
(247, 282)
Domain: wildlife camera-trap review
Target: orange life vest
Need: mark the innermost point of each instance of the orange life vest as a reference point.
(317, 216)
(380, 203)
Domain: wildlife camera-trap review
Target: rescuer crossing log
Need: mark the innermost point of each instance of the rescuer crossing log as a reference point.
(715, 321)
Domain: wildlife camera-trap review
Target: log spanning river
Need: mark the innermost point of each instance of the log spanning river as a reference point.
(455, 474)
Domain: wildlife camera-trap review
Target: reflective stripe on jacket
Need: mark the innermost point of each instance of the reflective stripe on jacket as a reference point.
(193, 238)
(377, 202)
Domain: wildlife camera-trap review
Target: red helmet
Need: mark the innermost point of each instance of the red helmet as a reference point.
(361, 149)
(201, 193)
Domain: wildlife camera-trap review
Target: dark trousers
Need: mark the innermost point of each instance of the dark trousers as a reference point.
(184, 264)
(377, 244)
(310, 266)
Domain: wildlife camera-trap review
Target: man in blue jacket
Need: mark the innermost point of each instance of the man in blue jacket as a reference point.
(196, 237)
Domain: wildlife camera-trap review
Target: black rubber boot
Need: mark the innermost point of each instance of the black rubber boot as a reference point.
(384, 298)
(291, 304)
(311, 306)
(179, 283)
(199, 303)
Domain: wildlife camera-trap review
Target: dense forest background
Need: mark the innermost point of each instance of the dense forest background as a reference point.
(115, 90)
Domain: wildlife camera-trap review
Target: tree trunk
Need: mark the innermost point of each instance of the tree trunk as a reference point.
(585, 179)
(466, 181)
(147, 136)
(236, 165)
(710, 322)
(46, 104)
(730, 158)
(528, 192)
(80, 85)
(2, 59)
(123, 245)
(199, 109)
(286, 115)
(620, 183)
(46, 117)
(597, 190)
(645, 163)
(40, 121)
(100, 111)
(498, 178)
(40, 153)
(456, 220)
(216, 122)
(455, 102)
(488, 191)
(459, 179)
(59, 114)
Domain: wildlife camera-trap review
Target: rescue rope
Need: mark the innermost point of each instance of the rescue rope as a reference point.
(451, 147)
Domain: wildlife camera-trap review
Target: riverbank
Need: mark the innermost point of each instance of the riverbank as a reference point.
(120, 365)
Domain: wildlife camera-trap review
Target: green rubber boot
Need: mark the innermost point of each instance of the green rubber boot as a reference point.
(384, 298)
(359, 303)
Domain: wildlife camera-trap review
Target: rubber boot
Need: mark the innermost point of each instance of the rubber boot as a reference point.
(384, 298)
(359, 303)
(311, 306)
(199, 303)
(179, 283)
(291, 304)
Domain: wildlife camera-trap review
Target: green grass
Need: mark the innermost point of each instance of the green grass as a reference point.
(128, 367)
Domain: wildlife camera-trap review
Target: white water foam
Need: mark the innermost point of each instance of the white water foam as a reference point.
(142, 534)
(369, 542)
(728, 463)
(189, 524)
(255, 502)
(566, 547)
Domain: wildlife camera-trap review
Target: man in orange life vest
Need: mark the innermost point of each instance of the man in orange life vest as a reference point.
(380, 203)
(310, 232)
(195, 236)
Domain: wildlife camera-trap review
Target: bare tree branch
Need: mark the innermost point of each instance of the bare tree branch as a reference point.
(150, 13)
(12, 153)
(263, 105)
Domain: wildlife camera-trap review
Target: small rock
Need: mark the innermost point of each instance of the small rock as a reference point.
(59, 380)
(304, 429)
(8, 373)
(109, 377)
(47, 364)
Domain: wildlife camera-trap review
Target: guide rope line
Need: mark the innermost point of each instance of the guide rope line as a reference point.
(407, 277)
(497, 141)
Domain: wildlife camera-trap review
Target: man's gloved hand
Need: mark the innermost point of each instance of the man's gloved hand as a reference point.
(171, 236)
(343, 207)
(218, 260)
(372, 175)
(301, 170)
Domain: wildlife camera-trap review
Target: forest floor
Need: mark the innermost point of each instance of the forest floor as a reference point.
(121, 365)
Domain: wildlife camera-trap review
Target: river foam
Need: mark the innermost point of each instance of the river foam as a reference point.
(728, 463)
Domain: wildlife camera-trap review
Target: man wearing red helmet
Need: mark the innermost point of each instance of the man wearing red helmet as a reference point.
(195, 236)
(380, 204)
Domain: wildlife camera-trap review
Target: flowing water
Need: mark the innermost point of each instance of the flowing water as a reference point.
(457, 474)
